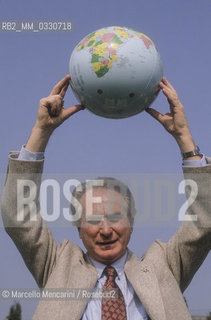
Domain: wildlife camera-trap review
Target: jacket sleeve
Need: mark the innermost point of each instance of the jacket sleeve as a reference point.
(189, 246)
(32, 238)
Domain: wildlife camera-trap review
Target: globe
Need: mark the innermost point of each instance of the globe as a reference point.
(115, 72)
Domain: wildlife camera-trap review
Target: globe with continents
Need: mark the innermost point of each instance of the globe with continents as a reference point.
(115, 72)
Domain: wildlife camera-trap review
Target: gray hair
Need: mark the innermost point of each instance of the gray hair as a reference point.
(107, 183)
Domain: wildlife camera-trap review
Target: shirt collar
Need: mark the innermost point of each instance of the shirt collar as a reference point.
(118, 265)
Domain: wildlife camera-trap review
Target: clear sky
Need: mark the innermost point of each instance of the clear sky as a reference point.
(31, 63)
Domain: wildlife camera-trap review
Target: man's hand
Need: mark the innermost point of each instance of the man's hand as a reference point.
(174, 121)
(51, 114)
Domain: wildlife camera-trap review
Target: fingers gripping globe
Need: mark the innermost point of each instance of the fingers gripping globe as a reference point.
(115, 72)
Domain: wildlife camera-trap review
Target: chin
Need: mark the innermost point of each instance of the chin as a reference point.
(109, 256)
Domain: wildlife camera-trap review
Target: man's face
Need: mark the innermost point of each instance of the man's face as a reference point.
(105, 229)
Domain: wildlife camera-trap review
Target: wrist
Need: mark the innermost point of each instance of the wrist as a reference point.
(38, 139)
(192, 154)
(185, 143)
(42, 130)
(188, 148)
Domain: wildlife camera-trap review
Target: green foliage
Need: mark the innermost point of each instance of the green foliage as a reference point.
(209, 316)
(15, 312)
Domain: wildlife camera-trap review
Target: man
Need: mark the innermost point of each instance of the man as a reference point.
(149, 288)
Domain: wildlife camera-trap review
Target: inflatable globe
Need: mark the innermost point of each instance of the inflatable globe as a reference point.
(115, 72)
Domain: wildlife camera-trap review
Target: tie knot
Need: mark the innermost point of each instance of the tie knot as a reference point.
(110, 273)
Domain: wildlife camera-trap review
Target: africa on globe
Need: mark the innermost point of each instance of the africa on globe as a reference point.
(115, 72)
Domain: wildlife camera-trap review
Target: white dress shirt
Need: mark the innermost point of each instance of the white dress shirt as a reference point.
(134, 307)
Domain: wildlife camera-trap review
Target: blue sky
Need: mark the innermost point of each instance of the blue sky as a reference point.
(87, 144)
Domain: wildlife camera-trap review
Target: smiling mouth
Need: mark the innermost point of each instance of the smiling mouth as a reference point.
(106, 243)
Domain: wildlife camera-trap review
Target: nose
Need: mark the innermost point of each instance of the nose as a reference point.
(105, 228)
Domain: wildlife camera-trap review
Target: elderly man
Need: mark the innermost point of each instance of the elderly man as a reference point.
(147, 289)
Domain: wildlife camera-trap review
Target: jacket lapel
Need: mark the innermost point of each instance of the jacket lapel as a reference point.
(141, 276)
(144, 281)
(83, 276)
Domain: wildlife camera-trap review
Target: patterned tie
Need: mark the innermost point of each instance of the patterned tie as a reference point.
(113, 308)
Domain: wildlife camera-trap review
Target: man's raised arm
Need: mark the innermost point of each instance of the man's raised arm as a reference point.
(20, 205)
(189, 246)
